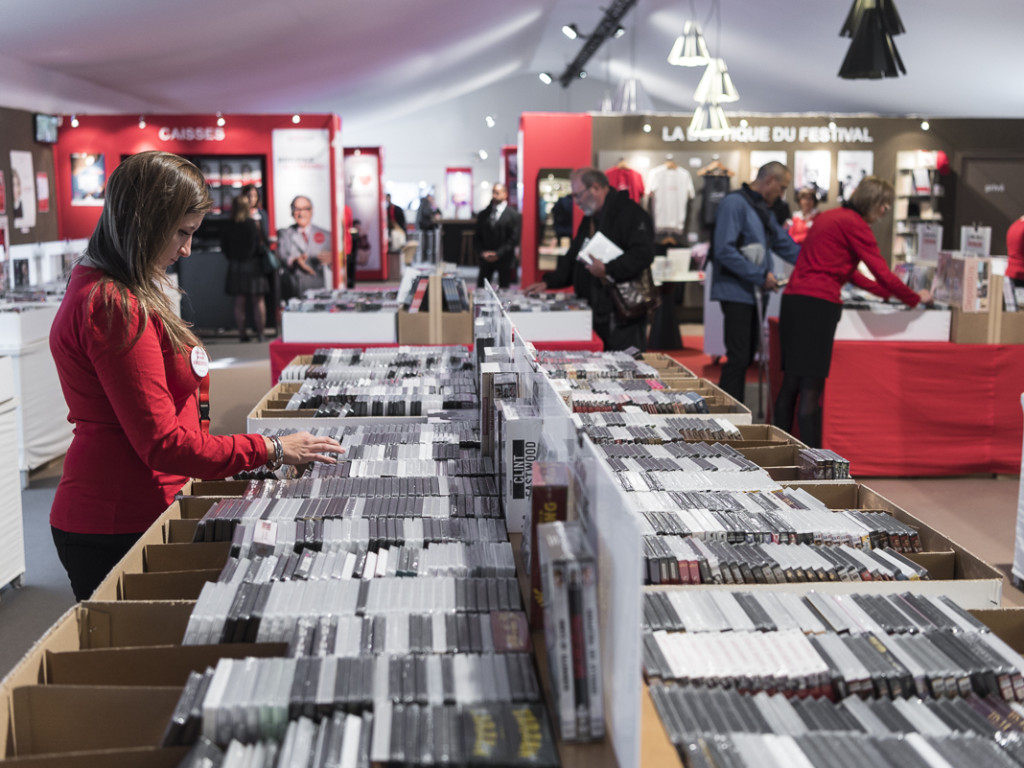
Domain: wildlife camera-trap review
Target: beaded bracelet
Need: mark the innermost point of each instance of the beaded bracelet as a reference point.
(276, 462)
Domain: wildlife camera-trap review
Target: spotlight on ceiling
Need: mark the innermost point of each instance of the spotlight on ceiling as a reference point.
(74, 121)
(296, 119)
(583, 74)
(619, 31)
(872, 24)
(142, 121)
(489, 120)
(925, 125)
(482, 153)
(570, 31)
(546, 78)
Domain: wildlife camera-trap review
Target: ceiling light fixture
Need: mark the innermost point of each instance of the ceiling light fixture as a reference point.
(690, 50)
(709, 121)
(142, 121)
(647, 128)
(872, 54)
(925, 125)
(570, 31)
(489, 120)
(546, 78)
(619, 32)
(482, 153)
(220, 120)
(74, 121)
(716, 85)
(606, 28)
(296, 119)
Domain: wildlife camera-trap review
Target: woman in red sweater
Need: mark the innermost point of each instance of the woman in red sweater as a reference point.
(130, 371)
(839, 240)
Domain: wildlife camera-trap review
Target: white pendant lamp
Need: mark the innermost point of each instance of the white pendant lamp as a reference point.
(715, 85)
(709, 121)
(689, 50)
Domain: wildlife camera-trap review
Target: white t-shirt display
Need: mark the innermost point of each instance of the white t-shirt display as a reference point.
(671, 189)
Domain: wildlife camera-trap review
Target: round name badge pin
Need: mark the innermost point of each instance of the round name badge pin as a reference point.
(319, 238)
(200, 362)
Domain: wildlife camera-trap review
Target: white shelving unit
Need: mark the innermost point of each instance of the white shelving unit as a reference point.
(917, 196)
(12, 539)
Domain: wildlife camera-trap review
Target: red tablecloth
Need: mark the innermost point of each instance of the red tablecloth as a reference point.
(922, 408)
(282, 353)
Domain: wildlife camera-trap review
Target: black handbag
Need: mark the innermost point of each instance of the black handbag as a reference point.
(635, 298)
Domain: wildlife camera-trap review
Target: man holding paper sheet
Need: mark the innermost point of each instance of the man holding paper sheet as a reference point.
(746, 236)
(614, 242)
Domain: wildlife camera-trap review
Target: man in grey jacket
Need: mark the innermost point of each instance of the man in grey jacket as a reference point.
(746, 236)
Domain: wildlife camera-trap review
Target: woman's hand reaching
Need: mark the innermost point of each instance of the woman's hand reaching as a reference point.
(304, 448)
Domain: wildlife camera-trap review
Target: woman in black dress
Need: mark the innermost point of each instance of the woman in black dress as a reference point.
(247, 277)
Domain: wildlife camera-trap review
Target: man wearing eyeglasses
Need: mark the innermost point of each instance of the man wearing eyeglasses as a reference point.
(304, 248)
(614, 215)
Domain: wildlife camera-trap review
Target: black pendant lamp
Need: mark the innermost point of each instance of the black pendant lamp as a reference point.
(872, 55)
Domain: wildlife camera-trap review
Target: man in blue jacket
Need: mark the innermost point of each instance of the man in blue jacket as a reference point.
(746, 236)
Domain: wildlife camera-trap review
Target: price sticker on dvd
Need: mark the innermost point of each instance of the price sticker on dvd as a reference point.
(265, 533)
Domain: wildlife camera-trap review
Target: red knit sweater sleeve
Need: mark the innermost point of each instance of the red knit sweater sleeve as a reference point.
(152, 392)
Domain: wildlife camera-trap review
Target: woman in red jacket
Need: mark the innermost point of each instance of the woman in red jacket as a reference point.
(130, 371)
(837, 243)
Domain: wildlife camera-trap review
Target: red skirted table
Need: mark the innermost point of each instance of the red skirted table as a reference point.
(921, 408)
(282, 353)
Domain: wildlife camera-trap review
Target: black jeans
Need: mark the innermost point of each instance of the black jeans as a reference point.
(618, 334)
(89, 557)
(505, 267)
(742, 333)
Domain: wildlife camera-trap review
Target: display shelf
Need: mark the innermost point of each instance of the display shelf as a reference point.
(918, 192)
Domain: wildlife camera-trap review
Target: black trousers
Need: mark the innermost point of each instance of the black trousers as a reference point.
(505, 267)
(620, 334)
(742, 332)
(89, 557)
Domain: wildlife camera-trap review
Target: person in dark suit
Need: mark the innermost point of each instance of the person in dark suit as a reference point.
(304, 248)
(629, 227)
(496, 239)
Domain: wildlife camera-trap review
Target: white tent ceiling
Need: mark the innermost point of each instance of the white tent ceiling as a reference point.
(378, 61)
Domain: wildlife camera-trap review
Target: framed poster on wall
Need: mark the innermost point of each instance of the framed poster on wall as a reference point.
(363, 197)
(813, 168)
(458, 193)
(88, 178)
(851, 167)
(23, 190)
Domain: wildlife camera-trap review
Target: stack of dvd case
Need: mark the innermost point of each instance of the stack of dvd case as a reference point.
(569, 578)
(390, 580)
(342, 300)
(899, 667)
(381, 363)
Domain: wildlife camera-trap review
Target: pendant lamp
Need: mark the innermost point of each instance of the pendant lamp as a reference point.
(709, 121)
(872, 54)
(689, 50)
(632, 97)
(716, 85)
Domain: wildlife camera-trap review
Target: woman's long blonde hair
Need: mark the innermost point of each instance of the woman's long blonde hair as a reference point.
(147, 196)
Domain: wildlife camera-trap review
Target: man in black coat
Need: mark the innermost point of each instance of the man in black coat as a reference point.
(628, 226)
(496, 239)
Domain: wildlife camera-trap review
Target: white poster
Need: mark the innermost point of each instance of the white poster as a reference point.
(302, 166)
(362, 194)
(759, 157)
(813, 168)
(23, 190)
(851, 167)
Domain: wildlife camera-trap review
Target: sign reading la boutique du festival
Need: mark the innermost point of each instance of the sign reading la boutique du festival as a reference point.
(778, 134)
